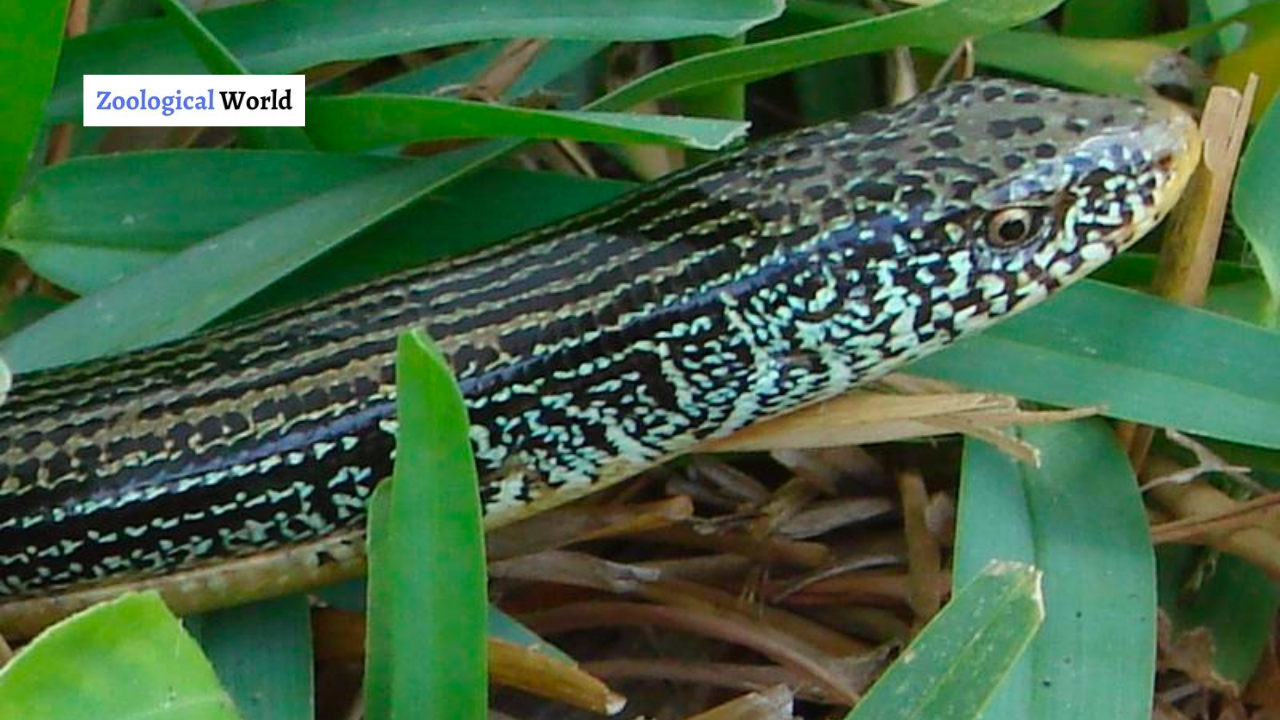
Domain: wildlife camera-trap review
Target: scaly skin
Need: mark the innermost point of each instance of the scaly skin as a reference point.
(236, 463)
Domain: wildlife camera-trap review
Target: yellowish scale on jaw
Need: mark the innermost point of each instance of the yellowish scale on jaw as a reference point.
(1185, 161)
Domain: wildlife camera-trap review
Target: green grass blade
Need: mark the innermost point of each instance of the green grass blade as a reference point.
(1139, 357)
(89, 222)
(192, 288)
(218, 60)
(262, 655)
(322, 31)
(126, 659)
(1108, 18)
(30, 39)
(729, 101)
(958, 661)
(383, 581)
(947, 22)
(426, 555)
(1080, 518)
(1254, 198)
(361, 122)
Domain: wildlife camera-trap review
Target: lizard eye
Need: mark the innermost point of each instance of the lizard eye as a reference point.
(1013, 226)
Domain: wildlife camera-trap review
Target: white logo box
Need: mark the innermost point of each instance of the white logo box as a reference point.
(195, 100)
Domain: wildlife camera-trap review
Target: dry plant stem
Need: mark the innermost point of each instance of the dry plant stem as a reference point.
(504, 70)
(332, 70)
(771, 704)
(574, 569)
(844, 566)
(1014, 447)
(569, 156)
(962, 55)
(785, 650)
(720, 568)
(1254, 544)
(1206, 462)
(1256, 513)
(724, 675)
(880, 625)
(682, 593)
(340, 636)
(587, 571)
(647, 161)
(791, 552)
(1186, 257)
(514, 666)
(924, 556)
(579, 522)
(884, 588)
(60, 136)
(862, 417)
(740, 486)
(827, 515)
(901, 69)
(794, 495)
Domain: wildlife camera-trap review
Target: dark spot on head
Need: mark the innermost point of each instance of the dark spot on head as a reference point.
(882, 166)
(87, 456)
(1108, 119)
(928, 113)
(1030, 124)
(1013, 161)
(917, 196)
(211, 427)
(27, 468)
(798, 153)
(1000, 129)
(963, 189)
(917, 149)
(1026, 97)
(993, 92)
(945, 140)
(831, 209)
(816, 192)
(875, 191)
(29, 441)
(868, 124)
(1076, 125)
(1045, 150)
(848, 163)
(772, 211)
